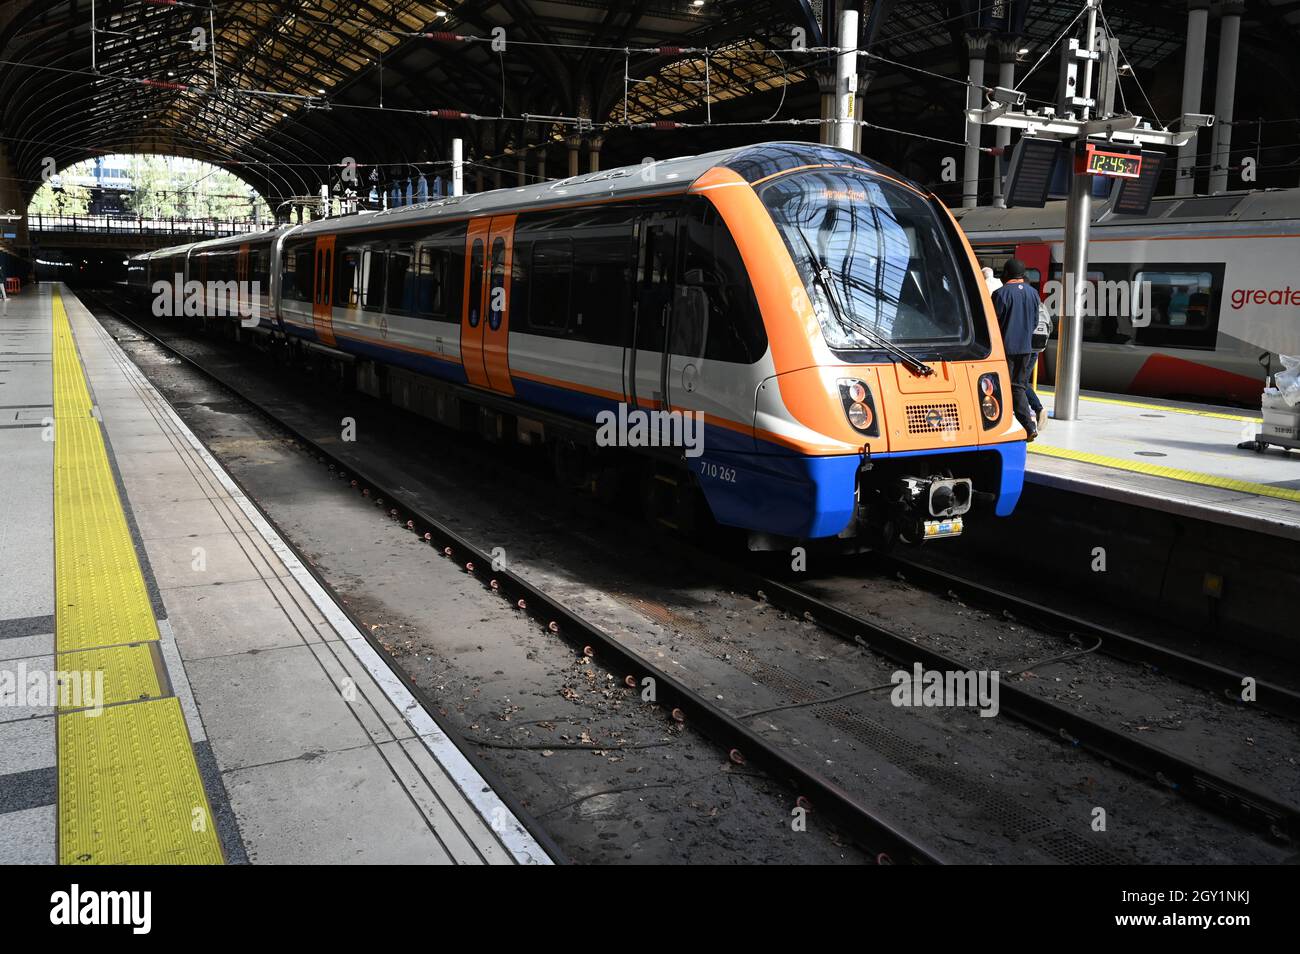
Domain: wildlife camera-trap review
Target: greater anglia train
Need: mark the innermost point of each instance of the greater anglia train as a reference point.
(791, 333)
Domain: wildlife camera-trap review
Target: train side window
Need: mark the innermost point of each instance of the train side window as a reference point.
(372, 284)
(498, 280)
(345, 278)
(398, 297)
(297, 277)
(602, 276)
(427, 280)
(520, 272)
(548, 306)
(1182, 303)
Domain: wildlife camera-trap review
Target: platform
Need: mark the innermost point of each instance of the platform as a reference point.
(175, 686)
(1173, 457)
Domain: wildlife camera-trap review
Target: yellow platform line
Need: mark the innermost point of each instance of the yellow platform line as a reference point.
(1221, 415)
(1169, 473)
(130, 791)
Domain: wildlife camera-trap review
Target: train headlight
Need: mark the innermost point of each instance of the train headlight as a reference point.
(858, 406)
(990, 399)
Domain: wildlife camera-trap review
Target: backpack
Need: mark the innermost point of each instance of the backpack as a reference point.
(1042, 330)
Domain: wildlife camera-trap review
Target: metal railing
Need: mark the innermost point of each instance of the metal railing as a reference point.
(133, 225)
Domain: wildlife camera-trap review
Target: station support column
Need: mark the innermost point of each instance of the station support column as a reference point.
(976, 44)
(1008, 45)
(1198, 14)
(846, 80)
(1225, 92)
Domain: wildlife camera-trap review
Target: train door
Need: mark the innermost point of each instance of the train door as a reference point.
(322, 308)
(646, 367)
(471, 318)
(1038, 265)
(496, 307)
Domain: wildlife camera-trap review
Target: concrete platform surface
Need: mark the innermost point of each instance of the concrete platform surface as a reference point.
(1173, 457)
(309, 748)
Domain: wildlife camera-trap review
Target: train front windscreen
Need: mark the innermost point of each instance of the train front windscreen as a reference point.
(876, 261)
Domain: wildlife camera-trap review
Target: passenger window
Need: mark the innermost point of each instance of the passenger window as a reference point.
(602, 276)
(345, 278)
(373, 280)
(428, 278)
(520, 270)
(496, 301)
(548, 309)
(397, 297)
(1182, 305)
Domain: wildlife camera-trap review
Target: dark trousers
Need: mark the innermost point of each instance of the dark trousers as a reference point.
(1021, 367)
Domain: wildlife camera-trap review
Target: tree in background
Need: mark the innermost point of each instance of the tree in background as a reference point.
(160, 188)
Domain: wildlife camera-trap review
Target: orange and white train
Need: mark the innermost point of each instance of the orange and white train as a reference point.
(1222, 280)
(822, 318)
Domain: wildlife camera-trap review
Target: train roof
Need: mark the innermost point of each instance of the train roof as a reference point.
(1267, 205)
(649, 178)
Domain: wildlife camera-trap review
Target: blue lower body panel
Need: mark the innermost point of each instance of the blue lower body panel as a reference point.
(749, 484)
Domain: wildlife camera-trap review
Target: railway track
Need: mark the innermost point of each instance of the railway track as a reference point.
(1221, 680)
(810, 790)
(1223, 795)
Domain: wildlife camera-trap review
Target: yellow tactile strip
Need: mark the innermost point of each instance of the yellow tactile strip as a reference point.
(1122, 402)
(137, 794)
(1169, 473)
(129, 786)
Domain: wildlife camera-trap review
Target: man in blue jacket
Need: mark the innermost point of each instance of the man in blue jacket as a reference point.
(1016, 304)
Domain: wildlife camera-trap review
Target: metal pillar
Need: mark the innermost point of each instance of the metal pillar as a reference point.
(1008, 46)
(846, 80)
(575, 144)
(1069, 342)
(1225, 92)
(976, 44)
(457, 167)
(541, 164)
(593, 153)
(1198, 13)
(521, 169)
(826, 87)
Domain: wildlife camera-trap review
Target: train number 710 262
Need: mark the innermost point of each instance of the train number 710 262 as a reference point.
(717, 471)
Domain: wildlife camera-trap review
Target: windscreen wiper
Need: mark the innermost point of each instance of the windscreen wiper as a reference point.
(821, 273)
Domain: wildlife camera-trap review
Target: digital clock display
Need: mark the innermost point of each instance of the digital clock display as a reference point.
(1119, 164)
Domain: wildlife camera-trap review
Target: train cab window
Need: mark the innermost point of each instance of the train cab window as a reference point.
(879, 263)
(548, 306)
(1180, 305)
(398, 296)
(346, 272)
(372, 280)
(715, 295)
